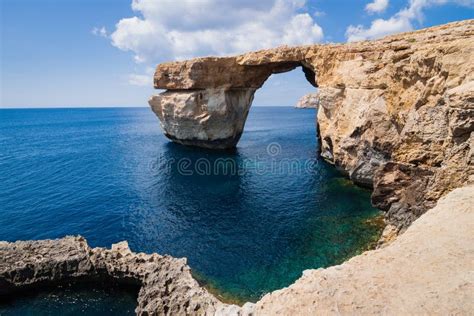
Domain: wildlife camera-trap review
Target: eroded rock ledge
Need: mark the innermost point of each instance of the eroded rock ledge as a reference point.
(167, 286)
(395, 114)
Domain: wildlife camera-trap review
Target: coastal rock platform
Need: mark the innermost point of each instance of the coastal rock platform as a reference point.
(428, 270)
(166, 284)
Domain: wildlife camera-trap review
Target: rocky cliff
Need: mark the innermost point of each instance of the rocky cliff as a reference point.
(308, 101)
(395, 114)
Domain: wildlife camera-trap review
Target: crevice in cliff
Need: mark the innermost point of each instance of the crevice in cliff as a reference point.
(310, 76)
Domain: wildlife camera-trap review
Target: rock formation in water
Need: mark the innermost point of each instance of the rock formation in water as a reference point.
(309, 101)
(207, 99)
(396, 114)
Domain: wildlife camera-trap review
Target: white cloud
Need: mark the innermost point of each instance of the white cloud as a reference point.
(99, 31)
(319, 13)
(378, 29)
(400, 22)
(140, 80)
(376, 6)
(170, 29)
(145, 79)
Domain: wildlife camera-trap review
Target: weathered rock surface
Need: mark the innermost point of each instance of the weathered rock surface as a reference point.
(396, 114)
(167, 287)
(309, 101)
(212, 118)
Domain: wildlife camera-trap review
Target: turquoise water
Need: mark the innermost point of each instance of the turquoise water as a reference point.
(249, 225)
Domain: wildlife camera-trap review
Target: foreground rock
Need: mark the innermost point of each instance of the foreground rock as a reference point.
(167, 286)
(309, 101)
(395, 114)
(425, 271)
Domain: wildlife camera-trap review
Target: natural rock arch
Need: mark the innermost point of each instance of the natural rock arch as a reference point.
(394, 114)
(207, 100)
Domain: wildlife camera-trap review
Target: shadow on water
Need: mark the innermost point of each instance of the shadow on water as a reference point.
(246, 232)
(86, 297)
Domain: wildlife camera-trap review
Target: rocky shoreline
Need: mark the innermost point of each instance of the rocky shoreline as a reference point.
(166, 284)
(395, 114)
(427, 270)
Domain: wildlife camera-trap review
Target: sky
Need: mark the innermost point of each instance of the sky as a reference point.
(102, 53)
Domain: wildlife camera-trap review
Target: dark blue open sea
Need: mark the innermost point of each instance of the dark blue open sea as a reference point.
(249, 221)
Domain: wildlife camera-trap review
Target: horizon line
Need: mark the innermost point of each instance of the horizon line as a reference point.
(105, 107)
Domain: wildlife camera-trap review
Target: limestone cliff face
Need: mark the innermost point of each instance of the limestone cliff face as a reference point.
(400, 115)
(212, 118)
(395, 114)
(308, 101)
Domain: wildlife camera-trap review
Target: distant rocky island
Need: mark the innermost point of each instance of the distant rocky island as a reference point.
(395, 115)
(309, 101)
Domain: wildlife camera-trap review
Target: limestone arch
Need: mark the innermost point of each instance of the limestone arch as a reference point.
(206, 102)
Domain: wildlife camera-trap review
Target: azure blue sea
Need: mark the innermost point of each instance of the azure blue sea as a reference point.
(249, 220)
